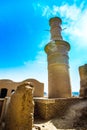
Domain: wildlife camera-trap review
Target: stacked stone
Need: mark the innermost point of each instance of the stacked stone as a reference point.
(83, 80)
(50, 108)
(20, 111)
(58, 62)
(1, 105)
(55, 28)
(4, 109)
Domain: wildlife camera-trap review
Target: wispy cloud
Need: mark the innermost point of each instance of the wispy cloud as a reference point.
(46, 11)
(74, 18)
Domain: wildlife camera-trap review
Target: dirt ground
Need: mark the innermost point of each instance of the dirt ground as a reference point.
(74, 119)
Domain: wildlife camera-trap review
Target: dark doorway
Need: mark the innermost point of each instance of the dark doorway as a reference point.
(12, 91)
(3, 93)
(85, 92)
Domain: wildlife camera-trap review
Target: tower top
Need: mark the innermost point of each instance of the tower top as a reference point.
(55, 19)
(55, 24)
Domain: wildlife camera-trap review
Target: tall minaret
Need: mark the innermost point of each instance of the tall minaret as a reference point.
(58, 66)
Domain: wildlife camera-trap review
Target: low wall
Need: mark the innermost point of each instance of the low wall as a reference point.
(50, 108)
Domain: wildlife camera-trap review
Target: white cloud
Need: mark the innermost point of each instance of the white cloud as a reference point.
(77, 29)
(74, 78)
(64, 10)
(74, 18)
(69, 12)
(46, 11)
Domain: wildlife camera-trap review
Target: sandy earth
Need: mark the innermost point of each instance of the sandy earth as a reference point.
(74, 119)
(71, 120)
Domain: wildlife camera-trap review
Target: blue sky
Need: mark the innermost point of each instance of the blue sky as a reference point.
(23, 37)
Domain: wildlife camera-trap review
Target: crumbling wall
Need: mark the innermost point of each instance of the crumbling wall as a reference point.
(19, 115)
(83, 80)
(50, 108)
(1, 105)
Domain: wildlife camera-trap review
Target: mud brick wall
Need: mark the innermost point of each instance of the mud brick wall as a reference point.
(1, 105)
(19, 115)
(50, 108)
(11, 85)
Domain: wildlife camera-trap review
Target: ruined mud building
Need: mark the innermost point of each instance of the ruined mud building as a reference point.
(59, 87)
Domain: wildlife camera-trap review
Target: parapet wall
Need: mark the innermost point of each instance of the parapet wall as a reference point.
(50, 108)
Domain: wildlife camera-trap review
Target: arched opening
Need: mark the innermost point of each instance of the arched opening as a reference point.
(12, 91)
(3, 93)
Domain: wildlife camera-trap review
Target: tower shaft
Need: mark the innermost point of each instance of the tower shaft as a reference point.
(58, 66)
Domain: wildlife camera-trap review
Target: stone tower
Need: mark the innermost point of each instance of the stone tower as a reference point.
(83, 80)
(58, 66)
